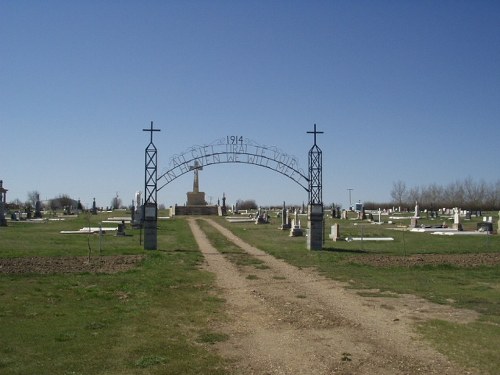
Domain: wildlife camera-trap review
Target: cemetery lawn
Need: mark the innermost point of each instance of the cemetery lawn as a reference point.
(157, 314)
(154, 318)
(462, 271)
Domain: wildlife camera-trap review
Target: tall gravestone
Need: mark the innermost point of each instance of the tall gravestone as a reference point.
(285, 224)
(224, 208)
(94, 208)
(456, 219)
(38, 207)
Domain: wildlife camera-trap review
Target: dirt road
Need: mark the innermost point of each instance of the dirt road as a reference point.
(284, 320)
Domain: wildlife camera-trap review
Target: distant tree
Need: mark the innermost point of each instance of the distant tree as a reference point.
(54, 205)
(412, 196)
(16, 203)
(431, 195)
(398, 192)
(248, 204)
(65, 200)
(492, 196)
(466, 194)
(454, 194)
(474, 193)
(33, 197)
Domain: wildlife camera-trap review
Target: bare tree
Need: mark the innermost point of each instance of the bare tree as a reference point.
(413, 196)
(398, 192)
(474, 193)
(248, 204)
(466, 194)
(454, 194)
(33, 197)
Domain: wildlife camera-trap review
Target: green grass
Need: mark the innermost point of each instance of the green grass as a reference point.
(156, 318)
(476, 288)
(144, 321)
(454, 340)
(23, 239)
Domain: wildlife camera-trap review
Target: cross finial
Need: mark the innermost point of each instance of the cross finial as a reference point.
(315, 132)
(151, 130)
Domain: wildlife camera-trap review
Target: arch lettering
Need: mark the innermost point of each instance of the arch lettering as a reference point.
(235, 149)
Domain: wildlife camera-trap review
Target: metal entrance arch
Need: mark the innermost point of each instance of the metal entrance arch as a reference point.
(234, 149)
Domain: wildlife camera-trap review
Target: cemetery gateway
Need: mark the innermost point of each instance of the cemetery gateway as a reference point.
(235, 149)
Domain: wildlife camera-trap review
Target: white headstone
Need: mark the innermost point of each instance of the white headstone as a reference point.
(456, 216)
(335, 232)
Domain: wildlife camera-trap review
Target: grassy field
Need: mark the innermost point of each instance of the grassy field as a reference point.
(154, 319)
(476, 288)
(157, 318)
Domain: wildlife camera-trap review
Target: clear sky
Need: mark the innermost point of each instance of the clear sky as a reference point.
(403, 90)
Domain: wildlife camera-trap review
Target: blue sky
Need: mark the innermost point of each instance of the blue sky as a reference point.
(403, 90)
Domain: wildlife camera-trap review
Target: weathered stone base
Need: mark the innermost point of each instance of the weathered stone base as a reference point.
(196, 198)
(196, 210)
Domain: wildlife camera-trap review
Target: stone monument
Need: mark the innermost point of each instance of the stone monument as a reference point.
(224, 207)
(417, 210)
(296, 229)
(93, 210)
(196, 203)
(456, 219)
(285, 224)
(196, 197)
(3, 202)
(38, 207)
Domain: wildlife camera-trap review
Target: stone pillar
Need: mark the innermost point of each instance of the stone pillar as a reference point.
(315, 224)
(150, 226)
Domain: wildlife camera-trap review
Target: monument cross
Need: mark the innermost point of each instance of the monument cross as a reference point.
(196, 167)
